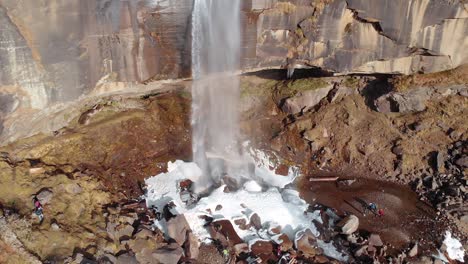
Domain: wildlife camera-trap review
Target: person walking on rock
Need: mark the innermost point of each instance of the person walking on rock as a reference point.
(38, 209)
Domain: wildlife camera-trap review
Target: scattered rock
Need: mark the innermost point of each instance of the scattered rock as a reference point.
(361, 251)
(35, 171)
(218, 207)
(125, 232)
(73, 188)
(306, 100)
(462, 162)
(349, 224)
(261, 247)
(144, 233)
(192, 246)
(423, 260)
(275, 230)
(126, 258)
(282, 170)
(255, 221)
(307, 243)
(441, 162)
(321, 259)
(374, 240)
(169, 254)
(413, 251)
(107, 259)
(242, 223)
(225, 228)
(285, 242)
(45, 196)
(241, 248)
(55, 227)
(177, 228)
(342, 92)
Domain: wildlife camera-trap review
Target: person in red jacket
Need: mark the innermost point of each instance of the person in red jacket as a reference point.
(38, 209)
(380, 212)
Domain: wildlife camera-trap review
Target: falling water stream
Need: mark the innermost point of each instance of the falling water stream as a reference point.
(216, 42)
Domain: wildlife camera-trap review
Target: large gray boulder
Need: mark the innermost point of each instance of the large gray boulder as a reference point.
(349, 224)
(305, 101)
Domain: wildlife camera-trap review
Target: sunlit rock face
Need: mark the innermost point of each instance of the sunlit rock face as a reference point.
(405, 36)
(58, 50)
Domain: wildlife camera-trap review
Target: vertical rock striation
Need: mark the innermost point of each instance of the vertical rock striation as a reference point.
(58, 50)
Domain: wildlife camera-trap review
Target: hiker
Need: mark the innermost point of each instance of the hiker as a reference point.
(380, 212)
(38, 209)
(225, 254)
(372, 207)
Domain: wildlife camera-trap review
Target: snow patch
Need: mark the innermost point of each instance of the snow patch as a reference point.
(454, 247)
(252, 186)
(275, 206)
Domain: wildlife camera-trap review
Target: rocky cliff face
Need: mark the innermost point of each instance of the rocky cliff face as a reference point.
(57, 50)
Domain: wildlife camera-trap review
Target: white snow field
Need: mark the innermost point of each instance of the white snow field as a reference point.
(274, 204)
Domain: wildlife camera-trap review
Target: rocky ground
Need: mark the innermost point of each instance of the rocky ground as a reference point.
(391, 134)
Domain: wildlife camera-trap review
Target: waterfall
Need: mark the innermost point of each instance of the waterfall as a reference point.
(216, 38)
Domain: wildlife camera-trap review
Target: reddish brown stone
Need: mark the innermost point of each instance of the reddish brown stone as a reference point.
(262, 248)
(225, 227)
(282, 170)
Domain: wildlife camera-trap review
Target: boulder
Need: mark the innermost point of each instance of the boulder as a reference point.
(124, 232)
(321, 259)
(361, 251)
(285, 242)
(342, 92)
(440, 161)
(306, 100)
(107, 259)
(169, 254)
(307, 243)
(144, 233)
(242, 223)
(73, 188)
(192, 246)
(126, 258)
(349, 224)
(217, 236)
(413, 251)
(462, 162)
(177, 228)
(255, 221)
(227, 230)
(111, 230)
(44, 196)
(55, 227)
(374, 240)
(35, 171)
(241, 248)
(261, 247)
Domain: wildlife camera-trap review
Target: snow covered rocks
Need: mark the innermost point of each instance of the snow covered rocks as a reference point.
(453, 247)
(258, 217)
